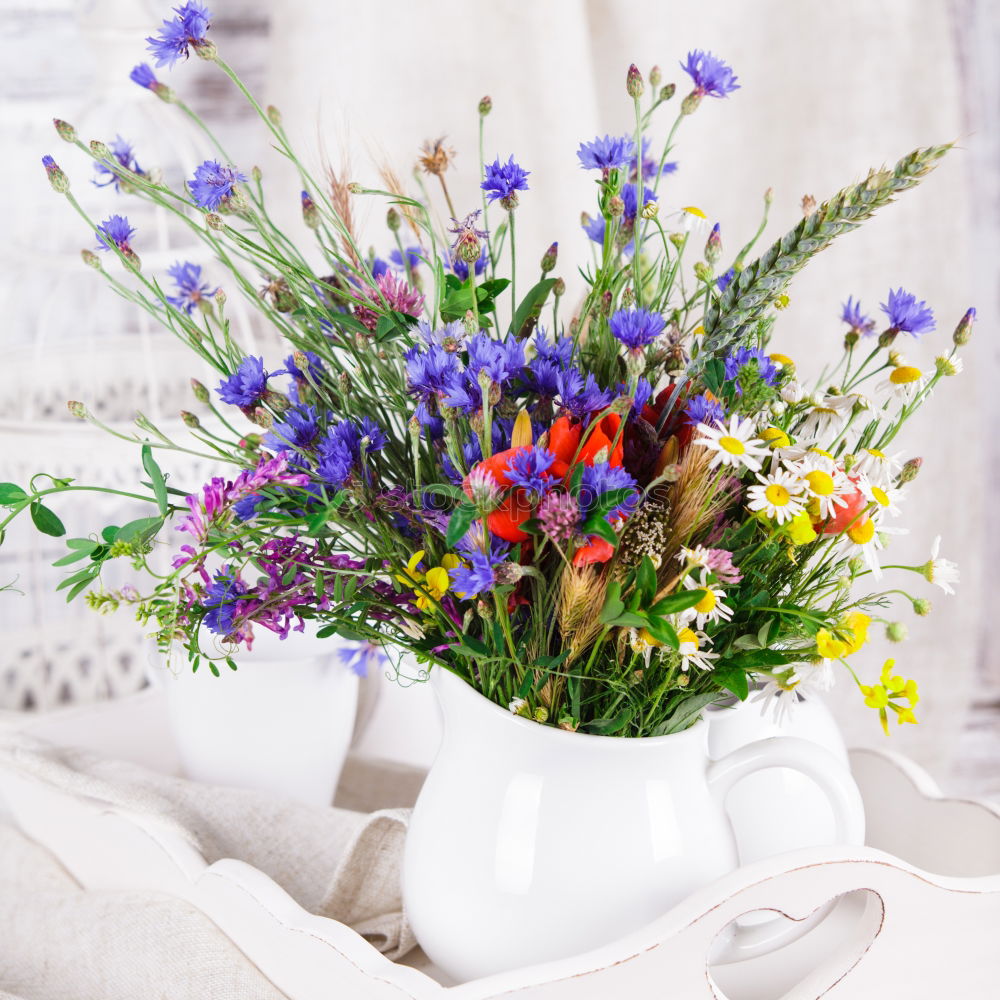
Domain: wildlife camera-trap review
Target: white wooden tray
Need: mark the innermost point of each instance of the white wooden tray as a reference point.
(917, 916)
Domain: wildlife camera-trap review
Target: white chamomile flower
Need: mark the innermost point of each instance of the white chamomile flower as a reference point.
(862, 539)
(779, 496)
(818, 677)
(734, 445)
(880, 468)
(941, 572)
(691, 652)
(884, 498)
(904, 382)
(711, 608)
(692, 220)
(828, 415)
(825, 484)
(948, 364)
(698, 556)
(792, 393)
(518, 706)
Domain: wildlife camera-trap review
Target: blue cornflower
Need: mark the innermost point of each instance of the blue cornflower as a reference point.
(298, 429)
(581, 396)
(431, 422)
(542, 378)
(630, 196)
(649, 164)
(704, 410)
(852, 315)
(144, 76)
(177, 35)
(334, 462)
(459, 267)
(316, 366)
(643, 390)
(213, 182)
(115, 229)
(906, 314)
(430, 373)
(499, 359)
(190, 288)
(601, 478)
(528, 469)
(480, 575)
(738, 359)
(603, 154)
(414, 255)
(711, 76)
(246, 385)
(559, 350)
(636, 328)
(221, 597)
(358, 437)
(725, 280)
(451, 336)
(245, 509)
(379, 267)
(504, 180)
(122, 152)
(363, 657)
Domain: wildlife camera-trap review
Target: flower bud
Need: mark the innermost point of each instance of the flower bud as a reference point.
(683, 680)
(199, 390)
(344, 383)
(91, 259)
(205, 50)
(713, 247)
(131, 257)
(690, 103)
(808, 204)
(850, 339)
(100, 150)
(549, 258)
(964, 329)
(769, 197)
(64, 130)
(257, 174)
(220, 298)
(215, 221)
(510, 201)
(896, 632)
(261, 418)
(392, 220)
(559, 288)
(921, 606)
(886, 339)
(947, 366)
(628, 297)
(541, 714)
(856, 565)
(655, 76)
(616, 207)
(634, 83)
(668, 91)
(702, 271)
(650, 210)
(274, 116)
(190, 420)
(58, 180)
(485, 106)
(77, 409)
(677, 239)
(910, 470)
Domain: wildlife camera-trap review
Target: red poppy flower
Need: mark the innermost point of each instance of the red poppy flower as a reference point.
(843, 517)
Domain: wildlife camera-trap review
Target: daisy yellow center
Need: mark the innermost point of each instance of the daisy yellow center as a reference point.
(706, 604)
(687, 635)
(781, 359)
(819, 451)
(732, 444)
(775, 437)
(777, 495)
(694, 210)
(875, 452)
(904, 375)
(881, 497)
(820, 482)
(861, 532)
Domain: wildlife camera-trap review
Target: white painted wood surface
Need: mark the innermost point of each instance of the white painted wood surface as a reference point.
(917, 916)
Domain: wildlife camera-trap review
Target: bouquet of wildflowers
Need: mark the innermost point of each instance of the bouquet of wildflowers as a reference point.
(604, 507)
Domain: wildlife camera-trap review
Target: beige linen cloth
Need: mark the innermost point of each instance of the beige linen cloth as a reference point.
(62, 942)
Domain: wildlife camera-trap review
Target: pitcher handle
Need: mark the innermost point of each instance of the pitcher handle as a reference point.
(834, 780)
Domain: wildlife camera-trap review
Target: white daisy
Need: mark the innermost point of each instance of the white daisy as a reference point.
(692, 220)
(880, 468)
(941, 572)
(904, 382)
(827, 415)
(825, 484)
(792, 393)
(779, 495)
(691, 652)
(733, 445)
(883, 497)
(710, 608)
(698, 556)
(862, 539)
(948, 364)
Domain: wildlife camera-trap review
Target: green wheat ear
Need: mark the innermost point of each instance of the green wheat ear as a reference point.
(758, 285)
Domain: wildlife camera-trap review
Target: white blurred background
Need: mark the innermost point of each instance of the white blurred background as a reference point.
(828, 90)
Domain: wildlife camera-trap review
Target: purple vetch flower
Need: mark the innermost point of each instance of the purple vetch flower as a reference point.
(115, 230)
(601, 478)
(190, 288)
(122, 151)
(363, 657)
(504, 180)
(144, 77)
(247, 384)
(559, 517)
(606, 153)
(222, 597)
(213, 183)
(906, 314)
(528, 470)
(703, 410)
(636, 328)
(852, 315)
(711, 76)
(186, 30)
(739, 358)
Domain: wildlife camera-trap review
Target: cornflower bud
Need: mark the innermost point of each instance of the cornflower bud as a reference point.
(77, 409)
(257, 174)
(190, 419)
(215, 221)
(392, 220)
(559, 288)
(850, 339)
(616, 206)
(910, 470)
(344, 383)
(713, 247)
(485, 106)
(964, 329)
(199, 390)
(58, 180)
(549, 258)
(65, 130)
(274, 116)
(220, 298)
(205, 50)
(91, 259)
(628, 297)
(100, 150)
(690, 103)
(668, 91)
(634, 83)
(655, 76)
(261, 418)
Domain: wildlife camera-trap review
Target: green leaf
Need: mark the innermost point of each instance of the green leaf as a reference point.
(662, 631)
(459, 523)
(645, 582)
(471, 646)
(613, 605)
(530, 308)
(575, 479)
(142, 529)
(608, 727)
(673, 603)
(86, 544)
(11, 494)
(732, 678)
(156, 478)
(75, 556)
(598, 526)
(45, 520)
(764, 658)
(84, 575)
(630, 619)
(110, 533)
(686, 713)
(715, 376)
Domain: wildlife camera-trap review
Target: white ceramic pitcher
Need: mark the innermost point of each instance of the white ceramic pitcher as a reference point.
(529, 843)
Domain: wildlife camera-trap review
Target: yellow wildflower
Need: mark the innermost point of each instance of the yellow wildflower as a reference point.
(431, 586)
(828, 646)
(800, 530)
